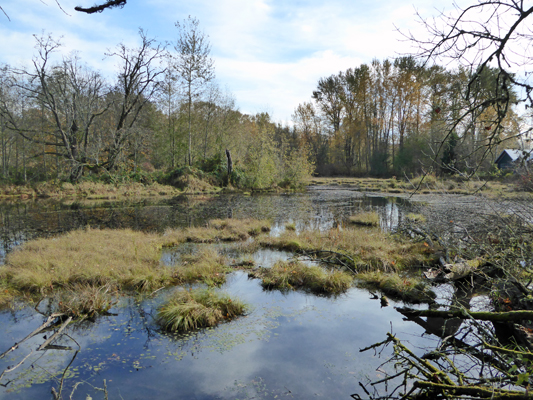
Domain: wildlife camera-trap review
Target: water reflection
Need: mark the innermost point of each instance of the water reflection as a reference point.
(316, 209)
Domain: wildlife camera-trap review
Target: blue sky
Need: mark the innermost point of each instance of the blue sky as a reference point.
(268, 53)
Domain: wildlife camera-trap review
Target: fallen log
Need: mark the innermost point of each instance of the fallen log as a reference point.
(506, 316)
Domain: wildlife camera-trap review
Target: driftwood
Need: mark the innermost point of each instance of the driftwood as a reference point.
(506, 316)
(55, 335)
(48, 322)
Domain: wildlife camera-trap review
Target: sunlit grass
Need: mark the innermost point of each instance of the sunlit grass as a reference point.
(296, 275)
(206, 266)
(369, 248)
(225, 230)
(408, 289)
(201, 308)
(122, 258)
(370, 218)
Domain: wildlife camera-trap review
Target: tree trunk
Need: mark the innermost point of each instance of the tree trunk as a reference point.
(230, 166)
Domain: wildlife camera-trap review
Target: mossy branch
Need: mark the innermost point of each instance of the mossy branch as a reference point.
(463, 314)
(481, 392)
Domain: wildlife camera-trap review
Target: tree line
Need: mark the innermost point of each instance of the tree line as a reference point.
(402, 116)
(60, 119)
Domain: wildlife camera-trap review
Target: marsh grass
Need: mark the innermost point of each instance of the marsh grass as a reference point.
(121, 258)
(225, 230)
(408, 289)
(86, 300)
(99, 190)
(365, 219)
(291, 226)
(190, 310)
(370, 248)
(205, 266)
(296, 275)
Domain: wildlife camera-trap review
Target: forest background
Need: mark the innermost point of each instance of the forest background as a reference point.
(164, 115)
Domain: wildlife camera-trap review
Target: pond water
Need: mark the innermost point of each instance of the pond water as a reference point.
(289, 345)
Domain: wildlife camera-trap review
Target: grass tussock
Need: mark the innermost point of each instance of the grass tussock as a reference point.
(206, 266)
(189, 310)
(295, 275)
(121, 258)
(225, 230)
(86, 301)
(407, 289)
(365, 219)
(370, 248)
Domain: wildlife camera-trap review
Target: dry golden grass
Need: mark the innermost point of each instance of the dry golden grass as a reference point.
(206, 266)
(408, 289)
(295, 275)
(86, 300)
(365, 219)
(225, 230)
(370, 248)
(122, 258)
(190, 310)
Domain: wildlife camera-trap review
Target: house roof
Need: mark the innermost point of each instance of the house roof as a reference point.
(514, 154)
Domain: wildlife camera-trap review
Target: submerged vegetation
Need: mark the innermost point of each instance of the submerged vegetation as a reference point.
(201, 308)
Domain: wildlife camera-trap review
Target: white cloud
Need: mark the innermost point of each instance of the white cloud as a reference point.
(270, 53)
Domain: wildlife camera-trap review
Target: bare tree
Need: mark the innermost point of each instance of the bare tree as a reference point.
(71, 97)
(137, 84)
(488, 37)
(193, 64)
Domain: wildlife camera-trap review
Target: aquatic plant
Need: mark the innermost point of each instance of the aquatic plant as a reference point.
(293, 275)
(121, 258)
(226, 230)
(368, 248)
(205, 266)
(405, 288)
(188, 310)
(86, 300)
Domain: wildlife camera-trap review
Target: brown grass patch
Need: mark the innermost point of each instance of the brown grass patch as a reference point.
(295, 275)
(189, 310)
(408, 289)
(370, 248)
(122, 258)
(225, 230)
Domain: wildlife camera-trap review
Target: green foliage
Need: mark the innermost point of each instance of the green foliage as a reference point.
(297, 168)
(448, 158)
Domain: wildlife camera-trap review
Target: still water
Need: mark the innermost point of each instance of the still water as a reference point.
(289, 345)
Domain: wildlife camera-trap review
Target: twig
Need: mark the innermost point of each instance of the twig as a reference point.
(16, 366)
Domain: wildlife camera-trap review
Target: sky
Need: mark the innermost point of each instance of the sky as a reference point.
(269, 54)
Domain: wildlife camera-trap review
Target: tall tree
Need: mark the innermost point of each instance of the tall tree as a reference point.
(194, 65)
(71, 97)
(137, 84)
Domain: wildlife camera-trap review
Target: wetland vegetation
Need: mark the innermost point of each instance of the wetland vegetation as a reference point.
(191, 284)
